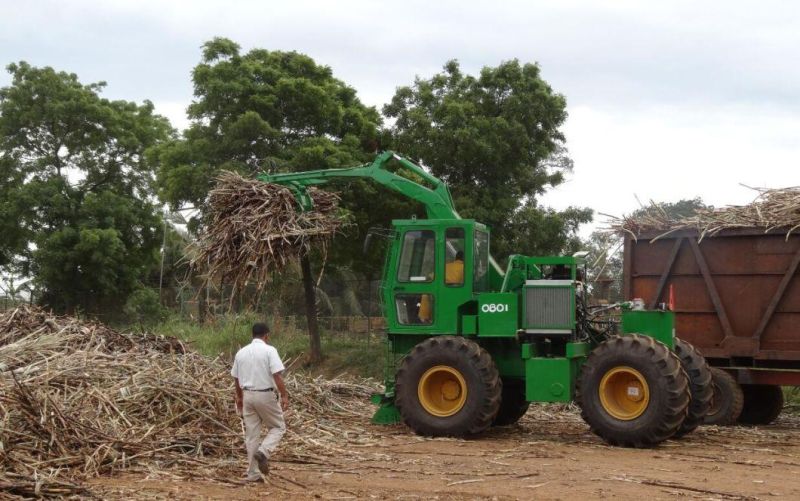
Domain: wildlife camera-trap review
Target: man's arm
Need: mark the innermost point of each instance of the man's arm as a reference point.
(238, 396)
(282, 388)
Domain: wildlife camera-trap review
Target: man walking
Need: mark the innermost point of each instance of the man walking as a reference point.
(257, 369)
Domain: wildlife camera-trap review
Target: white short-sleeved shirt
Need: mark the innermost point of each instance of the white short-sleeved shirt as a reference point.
(255, 364)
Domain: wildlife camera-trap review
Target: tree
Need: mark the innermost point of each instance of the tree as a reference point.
(496, 140)
(268, 111)
(77, 187)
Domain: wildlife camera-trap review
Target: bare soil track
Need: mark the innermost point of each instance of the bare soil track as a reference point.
(545, 456)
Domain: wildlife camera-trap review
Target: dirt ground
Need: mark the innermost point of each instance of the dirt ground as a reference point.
(543, 457)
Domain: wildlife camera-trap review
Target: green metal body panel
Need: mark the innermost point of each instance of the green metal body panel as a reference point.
(654, 323)
(498, 314)
(552, 379)
(469, 325)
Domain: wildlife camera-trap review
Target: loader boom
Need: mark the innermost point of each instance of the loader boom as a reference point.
(435, 197)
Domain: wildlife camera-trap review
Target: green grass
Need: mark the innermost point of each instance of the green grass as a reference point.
(343, 353)
(791, 396)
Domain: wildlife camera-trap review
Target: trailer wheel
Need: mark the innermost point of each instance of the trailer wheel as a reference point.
(762, 404)
(727, 402)
(700, 387)
(633, 391)
(447, 386)
(512, 403)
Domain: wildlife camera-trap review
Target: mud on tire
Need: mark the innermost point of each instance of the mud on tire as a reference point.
(666, 389)
(481, 379)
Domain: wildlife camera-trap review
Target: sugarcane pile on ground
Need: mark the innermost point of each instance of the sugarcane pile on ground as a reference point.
(78, 399)
(255, 228)
(771, 210)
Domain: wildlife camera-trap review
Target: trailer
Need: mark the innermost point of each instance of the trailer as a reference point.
(736, 297)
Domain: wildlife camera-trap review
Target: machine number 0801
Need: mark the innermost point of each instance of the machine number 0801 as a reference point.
(494, 308)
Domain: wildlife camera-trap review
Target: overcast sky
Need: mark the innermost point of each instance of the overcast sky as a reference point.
(666, 100)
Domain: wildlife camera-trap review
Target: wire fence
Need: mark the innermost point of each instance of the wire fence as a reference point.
(344, 305)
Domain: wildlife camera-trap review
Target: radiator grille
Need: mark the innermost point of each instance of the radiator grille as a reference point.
(548, 307)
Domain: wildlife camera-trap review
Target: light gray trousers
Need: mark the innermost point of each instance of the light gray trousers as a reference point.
(261, 408)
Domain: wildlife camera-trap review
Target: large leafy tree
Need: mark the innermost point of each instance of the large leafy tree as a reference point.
(271, 111)
(496, 139)
(77, 211)
(263, 111)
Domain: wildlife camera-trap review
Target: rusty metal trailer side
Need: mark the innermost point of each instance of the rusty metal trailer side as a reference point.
(736, 296)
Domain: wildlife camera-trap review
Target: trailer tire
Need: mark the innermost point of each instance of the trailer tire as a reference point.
(762, 404)
(633, 391)
(447, 386)
(700, 387)
(727, 402)
(513, 404)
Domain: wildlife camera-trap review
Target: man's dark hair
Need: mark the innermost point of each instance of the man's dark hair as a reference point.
(260, 329)
(460, 256)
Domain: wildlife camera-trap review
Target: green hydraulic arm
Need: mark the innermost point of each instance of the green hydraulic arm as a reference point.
(436, 199)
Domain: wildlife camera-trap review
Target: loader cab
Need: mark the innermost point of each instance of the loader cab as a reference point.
(432, 271)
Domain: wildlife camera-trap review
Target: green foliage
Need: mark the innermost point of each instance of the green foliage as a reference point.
(143, 308)
(535, 231)
(496, 140)
(76, 211)
(262, 111)
(271, 111)
(791, 395)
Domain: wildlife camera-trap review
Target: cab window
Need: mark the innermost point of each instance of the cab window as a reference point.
(481, 262)
(414, 309)
(454, 257)
(417, 257)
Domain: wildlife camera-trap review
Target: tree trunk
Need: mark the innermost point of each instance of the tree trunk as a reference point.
(311, 311)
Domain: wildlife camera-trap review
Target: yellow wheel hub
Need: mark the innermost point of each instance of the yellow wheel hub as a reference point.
(442, 391)
(624, 393)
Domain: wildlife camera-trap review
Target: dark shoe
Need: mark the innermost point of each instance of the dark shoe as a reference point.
(254, 480)
(263, 462)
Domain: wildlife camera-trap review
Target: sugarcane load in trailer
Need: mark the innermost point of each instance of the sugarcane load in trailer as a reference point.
(470, 346)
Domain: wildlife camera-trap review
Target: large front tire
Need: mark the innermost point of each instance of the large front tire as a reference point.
(447, 386)
(700, 387)
(633, 391)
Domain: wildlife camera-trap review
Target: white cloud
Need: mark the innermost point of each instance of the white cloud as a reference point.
(667, 154)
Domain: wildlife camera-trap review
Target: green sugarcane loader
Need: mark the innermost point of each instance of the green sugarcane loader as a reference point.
(470, 345)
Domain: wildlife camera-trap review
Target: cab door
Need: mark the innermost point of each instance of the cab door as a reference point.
(414, 305)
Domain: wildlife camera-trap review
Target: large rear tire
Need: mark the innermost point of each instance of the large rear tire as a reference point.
(700, 387)
(728, 400)
(447, 386)
(512, 404)
(633, 391)
(762, 404)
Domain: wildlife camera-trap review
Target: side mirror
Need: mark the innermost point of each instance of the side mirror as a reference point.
(367, 241)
